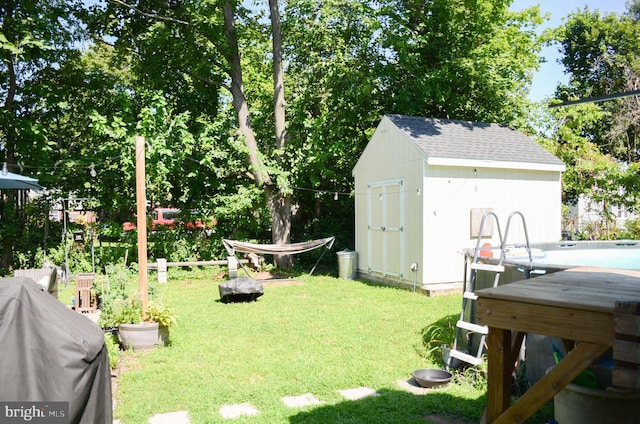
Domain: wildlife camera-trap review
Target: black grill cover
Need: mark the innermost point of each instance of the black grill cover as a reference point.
(49, 353)
(241, 289)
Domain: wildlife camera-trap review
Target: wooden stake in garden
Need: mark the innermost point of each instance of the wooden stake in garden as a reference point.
(141, 210)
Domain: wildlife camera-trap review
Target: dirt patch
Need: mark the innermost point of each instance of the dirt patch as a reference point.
(265, 275)
(126, 363)
(281, 283)
(269, 279)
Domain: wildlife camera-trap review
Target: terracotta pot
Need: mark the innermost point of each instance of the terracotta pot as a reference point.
(142, 336)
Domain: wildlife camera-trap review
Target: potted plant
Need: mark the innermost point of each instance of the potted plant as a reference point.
(137, 328)
(123, 312)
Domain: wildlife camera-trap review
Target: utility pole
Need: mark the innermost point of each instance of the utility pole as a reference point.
(141, 209)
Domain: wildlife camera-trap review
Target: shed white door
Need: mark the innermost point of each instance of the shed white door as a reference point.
(385, 201)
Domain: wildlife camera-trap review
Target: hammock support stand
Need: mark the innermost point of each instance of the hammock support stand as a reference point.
(246, 289)
(234, 246)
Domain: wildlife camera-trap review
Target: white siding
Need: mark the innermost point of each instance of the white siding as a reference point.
(391, 165)
(433, 206)
(451, 193)
(589, 213)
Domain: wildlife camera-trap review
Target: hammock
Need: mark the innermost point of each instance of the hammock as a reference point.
(234, 246)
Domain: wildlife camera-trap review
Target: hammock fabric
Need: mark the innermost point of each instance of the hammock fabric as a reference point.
(234, 246)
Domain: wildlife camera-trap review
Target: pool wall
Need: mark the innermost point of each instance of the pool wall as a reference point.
(516, 270)
(537, 356)
(587, 244)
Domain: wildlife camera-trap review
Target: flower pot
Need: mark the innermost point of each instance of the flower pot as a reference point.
(598, 405)
(430, 377)
(142, 336)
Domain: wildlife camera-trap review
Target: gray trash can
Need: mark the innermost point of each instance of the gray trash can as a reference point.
(348, 264)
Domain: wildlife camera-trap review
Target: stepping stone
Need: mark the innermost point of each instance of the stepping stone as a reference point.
(235, 411)
(300, 401)
(412, 386)
(358, 393)
(179, 417)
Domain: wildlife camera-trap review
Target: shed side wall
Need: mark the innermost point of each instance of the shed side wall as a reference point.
(451, 193)
(390, 156)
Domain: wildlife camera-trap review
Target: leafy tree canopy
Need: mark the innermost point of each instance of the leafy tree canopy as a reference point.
(180, 73)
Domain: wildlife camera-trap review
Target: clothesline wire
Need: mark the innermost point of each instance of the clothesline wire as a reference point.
(95, 165)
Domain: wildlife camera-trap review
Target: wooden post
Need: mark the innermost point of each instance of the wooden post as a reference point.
(499, 373)
(162, 270)
(626, 345)
(141, 210)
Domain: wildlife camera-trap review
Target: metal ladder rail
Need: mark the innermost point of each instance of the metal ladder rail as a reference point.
(499, 268)
(469, 291)
(469, 295)
(527, 273)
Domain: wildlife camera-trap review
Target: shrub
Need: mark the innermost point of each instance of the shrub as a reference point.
(633, 229)
(437, 335)
(156, 312)
(118, 311)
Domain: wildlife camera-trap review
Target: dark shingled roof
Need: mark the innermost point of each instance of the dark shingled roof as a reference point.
(446, 138)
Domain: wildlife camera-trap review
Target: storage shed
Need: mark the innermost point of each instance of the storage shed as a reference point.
(423, 184)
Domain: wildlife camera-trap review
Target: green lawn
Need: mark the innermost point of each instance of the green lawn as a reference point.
(317, 337)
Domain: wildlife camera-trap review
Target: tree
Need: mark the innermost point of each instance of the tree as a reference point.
(459, 60)
(347, 63)
(601, 55)
(334, 104)
(589, 171)
(35, 38)
(183, 35)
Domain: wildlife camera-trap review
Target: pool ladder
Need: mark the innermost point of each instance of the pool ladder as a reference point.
(469, 297)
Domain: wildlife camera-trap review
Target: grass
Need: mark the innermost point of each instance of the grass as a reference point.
(320, 336)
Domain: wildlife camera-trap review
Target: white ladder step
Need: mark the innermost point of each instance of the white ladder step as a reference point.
(487, 267)
(476, 328)
(470, 295)
(465, 357)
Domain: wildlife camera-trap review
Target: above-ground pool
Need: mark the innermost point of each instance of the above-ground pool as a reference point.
(549, 258)
(612, 257)
(556, 256)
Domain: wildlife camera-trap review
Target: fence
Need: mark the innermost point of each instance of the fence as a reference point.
(161, 266)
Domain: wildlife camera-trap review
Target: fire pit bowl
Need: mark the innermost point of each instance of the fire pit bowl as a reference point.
(429, 377)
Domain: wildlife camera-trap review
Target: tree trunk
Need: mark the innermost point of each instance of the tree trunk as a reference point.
(232, 55)
(278, 204)
(280, 209)
(278, 77)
